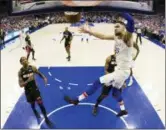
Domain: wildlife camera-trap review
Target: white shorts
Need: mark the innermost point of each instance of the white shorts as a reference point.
(116, 79)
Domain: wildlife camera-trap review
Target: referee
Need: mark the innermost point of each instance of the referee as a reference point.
(139, 32)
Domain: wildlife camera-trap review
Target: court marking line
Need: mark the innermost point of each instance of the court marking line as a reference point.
(74, 84)
(83, 104)
(90, 84)
(58, 80)
(49, 73)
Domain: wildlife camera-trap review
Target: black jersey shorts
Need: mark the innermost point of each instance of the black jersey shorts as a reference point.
(67, 44)
(32, 94)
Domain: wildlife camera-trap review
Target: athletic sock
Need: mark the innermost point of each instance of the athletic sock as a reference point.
(82, 96)
(122, 107)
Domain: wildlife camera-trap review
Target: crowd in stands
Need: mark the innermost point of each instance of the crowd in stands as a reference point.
(153, 24)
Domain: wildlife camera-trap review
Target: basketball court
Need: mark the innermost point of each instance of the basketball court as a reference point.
(144, 100)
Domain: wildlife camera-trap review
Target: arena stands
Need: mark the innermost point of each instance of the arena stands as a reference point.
(152, 25)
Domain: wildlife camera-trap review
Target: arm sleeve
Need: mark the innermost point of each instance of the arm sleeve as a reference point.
(129, 22)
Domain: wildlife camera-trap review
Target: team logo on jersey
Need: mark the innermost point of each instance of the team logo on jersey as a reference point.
(27, 75)
(119, 47)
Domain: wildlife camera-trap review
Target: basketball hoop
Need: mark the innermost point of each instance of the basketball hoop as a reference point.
(72, 17)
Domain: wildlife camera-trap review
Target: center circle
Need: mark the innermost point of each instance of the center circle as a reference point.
(81, 117)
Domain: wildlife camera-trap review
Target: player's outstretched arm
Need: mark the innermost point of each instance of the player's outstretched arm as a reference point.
(96, 34)
(40, 74)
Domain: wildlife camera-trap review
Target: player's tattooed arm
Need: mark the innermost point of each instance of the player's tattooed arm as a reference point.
(20, 80)
(40, 74)
(107, 65)
(135, 45)
(96, 34)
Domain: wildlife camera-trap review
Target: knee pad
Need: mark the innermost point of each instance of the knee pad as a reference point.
(92, 89)
(97, 82)
(39, 100)
(114, 95)
(119, 99)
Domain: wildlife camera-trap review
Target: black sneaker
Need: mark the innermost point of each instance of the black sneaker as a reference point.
(122, 113)
(48, 122)
(95, 111)
(69, 58)
(71, 101)
(34, 59)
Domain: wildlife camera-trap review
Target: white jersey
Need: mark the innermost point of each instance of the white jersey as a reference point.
(123, 54)
(22, 37)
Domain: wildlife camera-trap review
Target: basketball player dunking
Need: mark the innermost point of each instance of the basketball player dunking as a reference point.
(67, 35)
(110, 65)
(29, 48)
(123, 37)
(27, 81)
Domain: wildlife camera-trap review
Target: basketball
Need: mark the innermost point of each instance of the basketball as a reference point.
(72, 17)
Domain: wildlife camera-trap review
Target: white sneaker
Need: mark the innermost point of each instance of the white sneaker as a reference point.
(130, 82)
